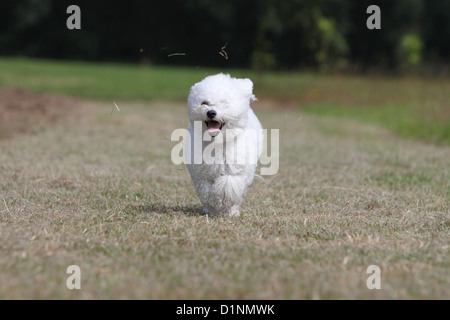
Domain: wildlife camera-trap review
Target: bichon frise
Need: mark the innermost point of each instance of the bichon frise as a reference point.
(223, 124)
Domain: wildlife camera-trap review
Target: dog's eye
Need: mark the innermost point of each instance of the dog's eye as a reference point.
(206, 103)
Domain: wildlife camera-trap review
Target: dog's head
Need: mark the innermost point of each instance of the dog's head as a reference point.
(220, 102)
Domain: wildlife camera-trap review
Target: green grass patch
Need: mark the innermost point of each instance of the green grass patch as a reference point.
(99, 80)
(404, 119)
(412, 107)
(132, 82)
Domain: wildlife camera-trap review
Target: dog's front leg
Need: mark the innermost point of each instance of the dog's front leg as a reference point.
(234, 211)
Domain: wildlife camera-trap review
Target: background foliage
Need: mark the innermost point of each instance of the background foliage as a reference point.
(262, 34)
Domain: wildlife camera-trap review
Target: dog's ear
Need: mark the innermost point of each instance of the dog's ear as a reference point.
(245, 86)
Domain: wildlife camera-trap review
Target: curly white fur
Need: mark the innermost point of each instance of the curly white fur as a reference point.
(222, 186)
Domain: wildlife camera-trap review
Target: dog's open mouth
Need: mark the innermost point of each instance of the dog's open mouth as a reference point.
(213, 127)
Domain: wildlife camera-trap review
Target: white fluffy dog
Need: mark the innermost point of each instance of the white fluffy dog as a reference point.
(219, 116)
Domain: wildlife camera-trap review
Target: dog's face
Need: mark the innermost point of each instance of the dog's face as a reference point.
(220, 102)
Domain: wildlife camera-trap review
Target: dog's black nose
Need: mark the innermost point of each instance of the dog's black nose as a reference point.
(211, 114)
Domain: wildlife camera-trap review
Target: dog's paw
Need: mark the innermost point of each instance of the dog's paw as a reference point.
(233, 212)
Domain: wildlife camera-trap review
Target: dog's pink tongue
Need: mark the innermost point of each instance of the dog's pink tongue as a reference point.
(213, 126)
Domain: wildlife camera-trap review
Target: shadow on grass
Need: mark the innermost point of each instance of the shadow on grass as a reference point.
(191, 210)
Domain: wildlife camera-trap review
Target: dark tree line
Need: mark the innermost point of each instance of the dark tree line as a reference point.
(262, 34)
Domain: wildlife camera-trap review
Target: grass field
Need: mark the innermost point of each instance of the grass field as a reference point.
(99, 191)
(411, 107)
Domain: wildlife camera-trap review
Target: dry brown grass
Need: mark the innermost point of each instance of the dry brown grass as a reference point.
(104, 195)
(22, 111)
